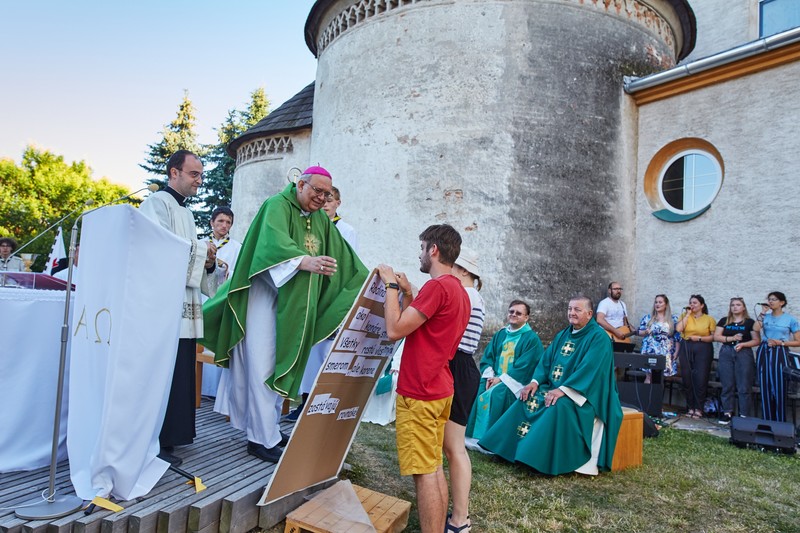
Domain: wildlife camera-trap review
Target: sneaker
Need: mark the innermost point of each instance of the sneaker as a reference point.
(724, 419)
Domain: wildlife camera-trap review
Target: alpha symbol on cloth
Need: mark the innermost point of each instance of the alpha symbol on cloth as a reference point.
(523, 429)
(532, 404)
(558, 371)
(312, 243)
(568, 348)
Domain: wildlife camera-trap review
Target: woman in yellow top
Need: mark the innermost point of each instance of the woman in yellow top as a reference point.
(696, 353)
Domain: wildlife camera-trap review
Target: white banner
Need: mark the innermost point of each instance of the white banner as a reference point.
(125, 328)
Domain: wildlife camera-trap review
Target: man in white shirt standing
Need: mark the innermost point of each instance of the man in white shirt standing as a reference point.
(612, 314)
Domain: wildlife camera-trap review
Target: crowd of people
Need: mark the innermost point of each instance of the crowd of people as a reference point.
(274, 302)
(752, 351)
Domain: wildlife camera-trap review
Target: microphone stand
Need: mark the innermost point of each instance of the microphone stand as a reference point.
(57, 506)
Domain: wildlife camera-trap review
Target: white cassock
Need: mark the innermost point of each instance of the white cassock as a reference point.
(320, 350)
(252, 406)
(227, 252)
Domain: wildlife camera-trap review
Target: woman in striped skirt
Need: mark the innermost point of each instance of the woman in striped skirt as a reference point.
(779, 331)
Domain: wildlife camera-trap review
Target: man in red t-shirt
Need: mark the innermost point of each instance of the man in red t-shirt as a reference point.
(432, 322)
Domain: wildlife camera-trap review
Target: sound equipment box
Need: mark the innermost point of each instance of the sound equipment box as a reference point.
(748, 432)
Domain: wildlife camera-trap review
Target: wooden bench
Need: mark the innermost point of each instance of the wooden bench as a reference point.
(387, 514)
(628, 452)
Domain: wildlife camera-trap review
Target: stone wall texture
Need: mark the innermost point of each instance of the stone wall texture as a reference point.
(505, 119)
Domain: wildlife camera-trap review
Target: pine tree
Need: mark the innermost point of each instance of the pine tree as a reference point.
(218, 181)
(177, 135)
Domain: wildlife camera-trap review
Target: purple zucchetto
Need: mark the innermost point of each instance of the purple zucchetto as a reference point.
(317, 170)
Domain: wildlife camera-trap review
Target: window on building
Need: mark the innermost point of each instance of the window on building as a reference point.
(776, 16)
(690, 182)
(683, 179)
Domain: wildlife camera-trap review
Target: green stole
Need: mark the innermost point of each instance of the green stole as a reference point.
(309, 306)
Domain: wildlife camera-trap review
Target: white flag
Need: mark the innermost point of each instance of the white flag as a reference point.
(56, 253)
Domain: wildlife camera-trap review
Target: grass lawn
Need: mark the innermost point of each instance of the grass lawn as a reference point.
(689, 481)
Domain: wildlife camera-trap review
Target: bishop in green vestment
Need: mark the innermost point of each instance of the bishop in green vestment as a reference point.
(569, 416)
(507, 366)
(295, 280)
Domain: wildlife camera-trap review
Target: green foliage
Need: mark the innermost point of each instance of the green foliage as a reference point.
(177, 135)
(218, 181)
(42, 189)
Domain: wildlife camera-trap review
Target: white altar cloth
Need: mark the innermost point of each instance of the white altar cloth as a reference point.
(30, 345)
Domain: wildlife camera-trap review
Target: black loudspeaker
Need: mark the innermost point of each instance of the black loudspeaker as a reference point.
(649, 428)
(748, 432)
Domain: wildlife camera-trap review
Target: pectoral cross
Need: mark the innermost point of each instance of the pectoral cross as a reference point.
(558, 372)
(523, 429)
(568, 348)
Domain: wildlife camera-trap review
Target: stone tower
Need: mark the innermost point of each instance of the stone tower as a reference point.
(506, 119)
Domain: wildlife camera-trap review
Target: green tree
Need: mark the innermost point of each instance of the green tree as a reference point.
(177, 135)
(218, 181)
(41, 190)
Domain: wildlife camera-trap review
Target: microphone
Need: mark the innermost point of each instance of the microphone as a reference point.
(60, 220)
(765, 304)
(153, 187)
(687, 308)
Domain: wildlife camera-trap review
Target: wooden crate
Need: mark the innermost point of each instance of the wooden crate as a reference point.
(628, 452)
(387, 514)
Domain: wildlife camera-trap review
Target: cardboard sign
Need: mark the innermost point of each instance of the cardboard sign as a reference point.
(326, 429)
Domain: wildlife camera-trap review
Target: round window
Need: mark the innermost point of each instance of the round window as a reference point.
(690, 182)
(683, 179)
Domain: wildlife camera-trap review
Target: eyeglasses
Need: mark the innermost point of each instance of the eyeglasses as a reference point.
(617, 289)
(512, 312)
(194, 174)
(320, 192)
(772, 299)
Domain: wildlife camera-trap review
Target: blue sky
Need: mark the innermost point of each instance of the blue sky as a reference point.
(97, 80)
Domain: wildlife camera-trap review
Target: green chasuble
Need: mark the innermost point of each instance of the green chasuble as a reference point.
(309, 306)
(515, 353)
(558, 439)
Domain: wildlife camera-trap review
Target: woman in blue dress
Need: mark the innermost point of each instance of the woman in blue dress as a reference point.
(779, 330)
(659, 335)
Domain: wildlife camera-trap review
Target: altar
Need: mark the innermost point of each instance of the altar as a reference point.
(30, 346)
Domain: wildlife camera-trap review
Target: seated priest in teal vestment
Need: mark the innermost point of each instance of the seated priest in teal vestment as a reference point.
(506, 367)
(568, 417)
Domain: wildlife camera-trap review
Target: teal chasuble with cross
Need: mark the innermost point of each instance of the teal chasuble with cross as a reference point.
(309, 306)
(515, 353)
(558, 439)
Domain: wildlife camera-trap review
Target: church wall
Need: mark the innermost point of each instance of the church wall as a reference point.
(505, 119)
(723, 24)
(746, 244)
(263, 174)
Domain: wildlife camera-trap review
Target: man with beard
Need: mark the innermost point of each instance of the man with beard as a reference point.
(432, 324)
(612, 314)
(568, 417)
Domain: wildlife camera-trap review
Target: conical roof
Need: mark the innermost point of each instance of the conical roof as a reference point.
(294, 114)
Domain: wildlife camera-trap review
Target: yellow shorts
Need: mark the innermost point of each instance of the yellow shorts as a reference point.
(420, 434)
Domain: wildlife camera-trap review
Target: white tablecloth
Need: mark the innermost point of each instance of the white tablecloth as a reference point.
(30, 345)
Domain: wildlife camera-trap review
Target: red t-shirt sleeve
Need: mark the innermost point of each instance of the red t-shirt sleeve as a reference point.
(429, 299)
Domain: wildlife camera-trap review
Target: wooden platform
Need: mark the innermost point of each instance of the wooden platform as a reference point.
(234, 481)
(628, 452)
(387, 514)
